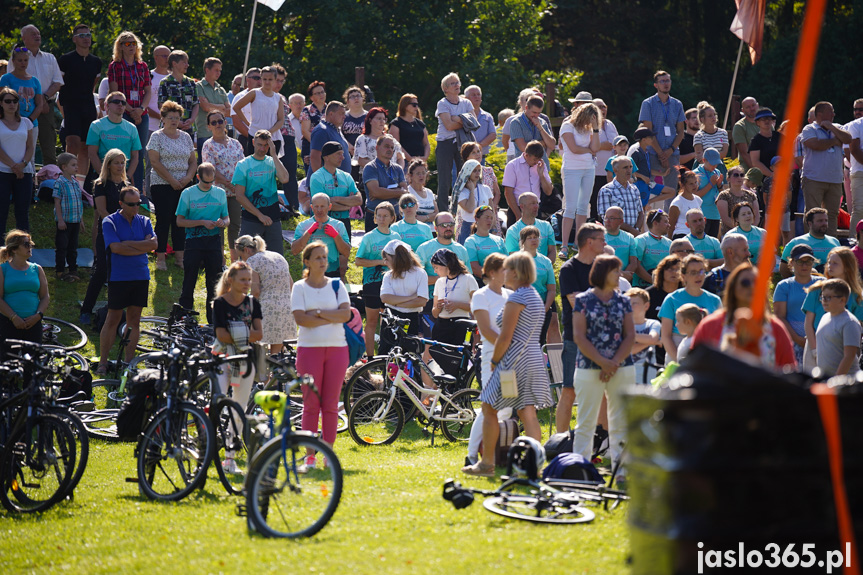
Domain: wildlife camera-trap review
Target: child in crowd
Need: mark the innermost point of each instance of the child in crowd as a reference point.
(68, 210)
(621, 145)
(646, 333)
(838, 334)
(689, 316)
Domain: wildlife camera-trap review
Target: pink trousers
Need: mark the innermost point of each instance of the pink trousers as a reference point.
(327, 365)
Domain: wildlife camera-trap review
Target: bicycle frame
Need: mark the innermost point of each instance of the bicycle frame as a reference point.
(404, 382)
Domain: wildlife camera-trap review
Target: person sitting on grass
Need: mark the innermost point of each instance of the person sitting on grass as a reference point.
(838, 333)
(68, 211)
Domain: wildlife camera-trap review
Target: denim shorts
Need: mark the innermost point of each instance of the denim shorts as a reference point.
(570, 356)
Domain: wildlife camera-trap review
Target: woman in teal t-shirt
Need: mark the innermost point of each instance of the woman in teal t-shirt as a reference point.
(744, 217)
(370, 258)
(482, 242)
(23, 290)
(412, 231)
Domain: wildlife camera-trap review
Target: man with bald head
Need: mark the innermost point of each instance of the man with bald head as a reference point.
(735, 249)
(621, 241)
(744, 130)
(322, 227)
(43, 66)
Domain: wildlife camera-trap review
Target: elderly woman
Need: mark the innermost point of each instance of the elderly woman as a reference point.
(23, 290)
(271, 285)
(17, 147)
(517, 355)
(179, 88)
(26, 86)
(174, 158)
(225, 153)
(408, 128)
(580, 141)
(129, 74)
(355, 116)
(365, 148)
(736, 193)
(447, 152)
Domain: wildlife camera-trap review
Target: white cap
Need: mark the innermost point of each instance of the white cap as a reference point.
(391, 246)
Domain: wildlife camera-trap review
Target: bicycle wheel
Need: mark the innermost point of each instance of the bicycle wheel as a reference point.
(370, 377)
(146, 343)
(82, 443)
(563, 508)
(101, 424)
(232, 439)
(174, 453)
(37, 466)
(371, 423)
(62, 333)
(465, 407)
(283, 503)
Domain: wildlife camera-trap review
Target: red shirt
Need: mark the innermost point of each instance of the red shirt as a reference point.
(710, 331)
(131, 79)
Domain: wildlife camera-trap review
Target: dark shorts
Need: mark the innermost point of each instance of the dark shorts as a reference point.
(128, 293)
(78, 119)
(372, 295)
(447, 331)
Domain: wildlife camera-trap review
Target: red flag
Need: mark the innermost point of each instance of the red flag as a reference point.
(748, 25)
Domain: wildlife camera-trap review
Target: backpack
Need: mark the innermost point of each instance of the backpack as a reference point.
(353, 331)
(559, 443)
(508, 434)
(572, 466)
(139, 405)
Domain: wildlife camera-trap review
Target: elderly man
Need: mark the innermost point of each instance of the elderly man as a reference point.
(744, 130)
(383, 178)
(622, 192)
(212, 97)
(295, 103)
(486, 133)
(706, 245)
(530, 126)
(526, 173)
(822, 175)
(323, 227)
(817, 239)
(664, 116)
(129, 237)
(621, 241)
(680, 248)
(44, 67)
(256, 187)
(81, 71)
(529, 207)
(735, 250)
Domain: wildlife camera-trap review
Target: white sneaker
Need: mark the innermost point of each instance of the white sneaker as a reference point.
(230, 466)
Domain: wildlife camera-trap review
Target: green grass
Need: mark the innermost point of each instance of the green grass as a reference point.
(392, 518)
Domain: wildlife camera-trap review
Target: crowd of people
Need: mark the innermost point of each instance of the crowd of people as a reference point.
(657, 234)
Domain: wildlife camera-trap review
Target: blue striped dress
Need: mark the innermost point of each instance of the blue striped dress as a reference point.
(530, 371)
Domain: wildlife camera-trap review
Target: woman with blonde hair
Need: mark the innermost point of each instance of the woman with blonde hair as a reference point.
(410, 131)
(840, 264)
(17, 148)
(23, 290)
(129, 74)
(579, 139)
(710, 135)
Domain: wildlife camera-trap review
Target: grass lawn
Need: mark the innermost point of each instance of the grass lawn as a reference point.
(391, 519)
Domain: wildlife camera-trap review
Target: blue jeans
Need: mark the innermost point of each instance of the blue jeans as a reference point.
(19, 193)
(570, 355)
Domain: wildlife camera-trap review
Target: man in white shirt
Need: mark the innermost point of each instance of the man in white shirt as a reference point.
(855, 128)
(296, 103)
(241, 129)
(44, 67)
(158, 73)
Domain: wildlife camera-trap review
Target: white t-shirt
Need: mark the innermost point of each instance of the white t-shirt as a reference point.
(366, 147)
(684, 206)
(571, 160)
(247, 110)
(483, 198)
(14, 144)
(856, 129)
(414, 282)
(155, 123)
(306, 298)
(458, 290)
(607, 133)
(103, 90)
(426, 205)
(485, 298)
(511, 152)
(298, 131)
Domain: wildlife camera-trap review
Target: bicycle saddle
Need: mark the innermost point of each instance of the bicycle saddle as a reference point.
(444, 379)
(466, 323)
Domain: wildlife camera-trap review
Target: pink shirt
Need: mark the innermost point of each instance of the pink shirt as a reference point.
(523, 178)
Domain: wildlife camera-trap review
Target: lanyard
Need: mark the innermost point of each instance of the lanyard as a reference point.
(446, 291)
(132, 72)
(388, 170)
(534, 135)
(647, 159)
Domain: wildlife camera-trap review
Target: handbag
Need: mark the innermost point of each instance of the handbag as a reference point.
(508, 383)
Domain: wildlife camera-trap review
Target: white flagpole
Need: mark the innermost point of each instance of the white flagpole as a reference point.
(252, 27)
(730, 93)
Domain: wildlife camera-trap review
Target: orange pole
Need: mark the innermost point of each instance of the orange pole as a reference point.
(798, 92)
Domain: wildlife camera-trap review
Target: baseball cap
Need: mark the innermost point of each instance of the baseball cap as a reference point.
(712, 157)
(620, 139)
(802, 251)
(764, 113)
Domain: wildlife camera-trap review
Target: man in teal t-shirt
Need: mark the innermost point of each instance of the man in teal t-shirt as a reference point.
(336, 183)
(707, 246)
(321, 227)
(444, 226)
(651, 247)
(203, 210)
(817, 239)
(621, 241)
(113, 131)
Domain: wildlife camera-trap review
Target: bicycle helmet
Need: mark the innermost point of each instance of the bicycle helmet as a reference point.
(526, 457)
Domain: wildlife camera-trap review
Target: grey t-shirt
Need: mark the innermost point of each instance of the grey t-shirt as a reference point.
(833, 335)
(821, 165)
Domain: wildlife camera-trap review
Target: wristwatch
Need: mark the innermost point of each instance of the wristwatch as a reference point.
(317, 313)
(41, 315)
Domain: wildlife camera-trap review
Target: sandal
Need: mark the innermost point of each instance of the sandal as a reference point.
(479, 469)
(161, 265)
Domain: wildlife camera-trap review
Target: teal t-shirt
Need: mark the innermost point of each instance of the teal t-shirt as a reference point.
(371, 248)
(413, 235)
(650, 250)
(258, 177)
(624, 245)
(707, 246)
(675, 299)
(107, 135)
(427, 250)
(319, 236)
(478, 247)
(610, 168)
(708, 200)
(813, 303)
(196, 204)
(544, 275)
(820, 248)
(754, 236)
(21, 288)
(546, 236)
(340, 186)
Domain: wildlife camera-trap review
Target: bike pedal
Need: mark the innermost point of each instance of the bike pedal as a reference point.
(242, 511)
(131, 480)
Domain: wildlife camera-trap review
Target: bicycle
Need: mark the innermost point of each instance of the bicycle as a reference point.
(63, 334)
(278, 503)
(378, 419)
(181, 322)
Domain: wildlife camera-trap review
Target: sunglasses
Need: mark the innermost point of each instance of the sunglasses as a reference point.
(217, 122)
(20, 49)
(408, 204)
(684, 251)
(735, 175)
(256, 78)
(134, 204)
(414, 104)
(127, 44)
(446, 225)
(656, 215)
(83, 35)
(203, 181)
(27, 244)
(115, 101)
(10, 101)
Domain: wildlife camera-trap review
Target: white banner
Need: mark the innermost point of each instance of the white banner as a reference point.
(274, 4)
